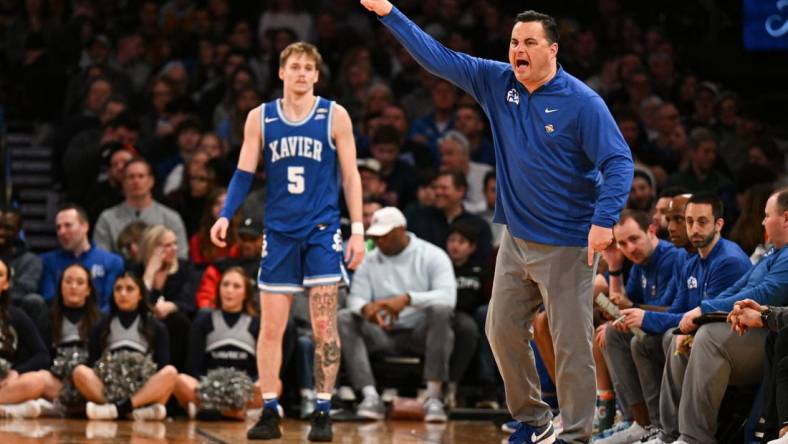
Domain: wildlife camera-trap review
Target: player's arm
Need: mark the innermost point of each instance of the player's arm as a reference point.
(242, 178)
(342, 133)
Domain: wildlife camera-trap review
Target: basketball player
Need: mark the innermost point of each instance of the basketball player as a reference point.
(564, 173)
(306, 141)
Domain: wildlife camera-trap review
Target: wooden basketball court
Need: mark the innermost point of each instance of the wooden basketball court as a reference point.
(183, 431)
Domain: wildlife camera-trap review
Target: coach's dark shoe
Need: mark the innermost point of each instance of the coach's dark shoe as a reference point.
(320, 431)
(267, 426)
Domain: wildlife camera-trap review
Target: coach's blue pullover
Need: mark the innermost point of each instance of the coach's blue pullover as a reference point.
(648, 282)
(765, 283)
(104, 268)
(701, 279)
(550, 146)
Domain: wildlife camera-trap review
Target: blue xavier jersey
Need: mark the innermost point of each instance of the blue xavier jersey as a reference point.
(301, 169)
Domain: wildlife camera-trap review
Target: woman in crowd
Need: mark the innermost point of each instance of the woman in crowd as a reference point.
(22, 352)
(171, 284)
(130, 326)
(224, 337)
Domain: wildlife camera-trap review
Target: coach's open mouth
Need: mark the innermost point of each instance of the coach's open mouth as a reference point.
(520, 65)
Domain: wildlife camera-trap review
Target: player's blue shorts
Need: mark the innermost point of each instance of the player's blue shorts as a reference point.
(289, 264)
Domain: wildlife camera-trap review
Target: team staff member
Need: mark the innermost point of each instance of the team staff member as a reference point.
(563, 176)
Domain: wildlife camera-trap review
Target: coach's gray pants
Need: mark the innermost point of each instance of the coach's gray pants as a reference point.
(432, 338)
(693, 387)
(526, 275)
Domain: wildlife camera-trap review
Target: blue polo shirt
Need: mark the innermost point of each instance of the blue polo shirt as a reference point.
(765, 283)
(561, 162)
(701, 279)
(647, 282)
(105, 267)
(679, 262)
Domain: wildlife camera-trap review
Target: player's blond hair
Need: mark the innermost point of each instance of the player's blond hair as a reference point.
(305, 48)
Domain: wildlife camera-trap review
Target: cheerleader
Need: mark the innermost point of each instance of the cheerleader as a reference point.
(73, 314)
(128, 337)
(22, 354)
(222, 349)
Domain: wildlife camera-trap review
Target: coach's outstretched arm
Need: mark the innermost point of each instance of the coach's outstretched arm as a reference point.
(242, 178)
(461, 69)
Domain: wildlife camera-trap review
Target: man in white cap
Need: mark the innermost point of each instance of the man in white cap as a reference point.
(401, 300)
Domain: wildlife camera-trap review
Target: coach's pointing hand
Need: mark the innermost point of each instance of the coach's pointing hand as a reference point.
(219, 232)
(598, 239)
(379, 7)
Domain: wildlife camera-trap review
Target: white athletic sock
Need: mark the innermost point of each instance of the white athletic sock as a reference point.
(49, 408)
(27, 409)
(101, 411)
(153, 412)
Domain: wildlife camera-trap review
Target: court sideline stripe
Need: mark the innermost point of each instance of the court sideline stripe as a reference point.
(209, 437)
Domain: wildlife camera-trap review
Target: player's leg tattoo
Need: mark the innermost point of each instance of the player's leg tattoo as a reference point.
(323, 310)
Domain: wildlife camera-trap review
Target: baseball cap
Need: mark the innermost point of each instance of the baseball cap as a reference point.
(386, 219)
(369, 164)
(251, 223)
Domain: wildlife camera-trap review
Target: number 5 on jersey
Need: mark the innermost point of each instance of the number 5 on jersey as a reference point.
(295, 179)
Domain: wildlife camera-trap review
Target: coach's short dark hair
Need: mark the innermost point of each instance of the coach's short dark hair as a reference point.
(640, 218)
(548, 23)
(706, 198)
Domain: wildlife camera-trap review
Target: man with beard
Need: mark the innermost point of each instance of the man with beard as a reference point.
(636, 365)
(694, 382)
(718, 264)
